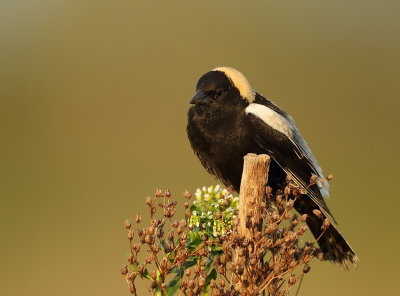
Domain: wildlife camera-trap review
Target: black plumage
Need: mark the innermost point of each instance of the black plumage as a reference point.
(229, 120)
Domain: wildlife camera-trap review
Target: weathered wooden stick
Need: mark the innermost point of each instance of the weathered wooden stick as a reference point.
(252, 192)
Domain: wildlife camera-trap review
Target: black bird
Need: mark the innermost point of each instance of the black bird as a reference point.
(229, 119)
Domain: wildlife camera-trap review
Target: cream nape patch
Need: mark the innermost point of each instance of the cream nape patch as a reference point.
(271, 118)
(239, 81)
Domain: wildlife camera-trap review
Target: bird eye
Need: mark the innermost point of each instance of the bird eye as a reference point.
(218, 93)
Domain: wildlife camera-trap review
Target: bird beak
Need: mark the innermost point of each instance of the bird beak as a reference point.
(199, 98)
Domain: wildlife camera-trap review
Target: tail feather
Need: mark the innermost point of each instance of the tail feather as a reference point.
(332, 244)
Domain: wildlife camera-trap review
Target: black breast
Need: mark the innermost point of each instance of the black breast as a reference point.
(221, 141)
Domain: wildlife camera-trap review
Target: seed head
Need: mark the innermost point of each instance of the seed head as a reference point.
(187, 194)
(127, 224)
(318, 213)
(124, 269)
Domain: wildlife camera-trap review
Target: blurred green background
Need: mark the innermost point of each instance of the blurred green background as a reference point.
(93, 102)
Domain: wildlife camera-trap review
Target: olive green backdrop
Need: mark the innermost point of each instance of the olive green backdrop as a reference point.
(93, 102)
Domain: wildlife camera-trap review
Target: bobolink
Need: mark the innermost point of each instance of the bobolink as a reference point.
(229, 119)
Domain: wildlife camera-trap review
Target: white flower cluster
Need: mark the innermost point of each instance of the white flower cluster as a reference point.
(213, 210)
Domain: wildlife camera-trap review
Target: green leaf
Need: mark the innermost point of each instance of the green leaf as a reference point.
(211, 276)
(189, 263)
(163, 243)
(146, 274)
(194, 240)
(173, 285)
(209, 262)
(176, 269)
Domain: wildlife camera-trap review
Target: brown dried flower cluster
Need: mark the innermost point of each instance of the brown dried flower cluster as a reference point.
(271, 259)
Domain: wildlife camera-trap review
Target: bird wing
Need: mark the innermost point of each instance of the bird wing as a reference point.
(279, 137)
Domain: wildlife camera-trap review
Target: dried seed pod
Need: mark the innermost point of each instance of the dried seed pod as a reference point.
(154, 284)
(240, 270)
(153, 274)
(140, 269)
(132, 289)
(313, 179)
(290, 204)
(278, 199)
(306, 268)
(202, 282)
(151, 230)
(153, 210)
(158, 193)
(131, 276)
(168, 193)
(292, 280)
(220, 269)
(130, 234)
(148, 239)
(277, 267)
(183, 223)
(326, 223)
(288, 177)
(192, 284)
(318, 213)
(127, 224)
(154, 248)
(136, 247)
(187, 194)
(213, 284)
(187, 213)
(148, 259)
(168, 248)
(287, 216)
(124, 269)
(163, 287)
(303, 191)
(287, 191)
(149, 201)
(302, 230)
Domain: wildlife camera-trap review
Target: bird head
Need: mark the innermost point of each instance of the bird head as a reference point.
(223, 86)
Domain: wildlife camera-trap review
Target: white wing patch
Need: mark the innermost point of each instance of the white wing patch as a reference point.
(287, 127)
(272, 118)
(240, 82)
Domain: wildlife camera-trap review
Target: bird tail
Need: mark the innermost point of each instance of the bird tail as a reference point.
(332, 244)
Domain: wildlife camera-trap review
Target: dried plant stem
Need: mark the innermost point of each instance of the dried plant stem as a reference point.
(301, 281)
